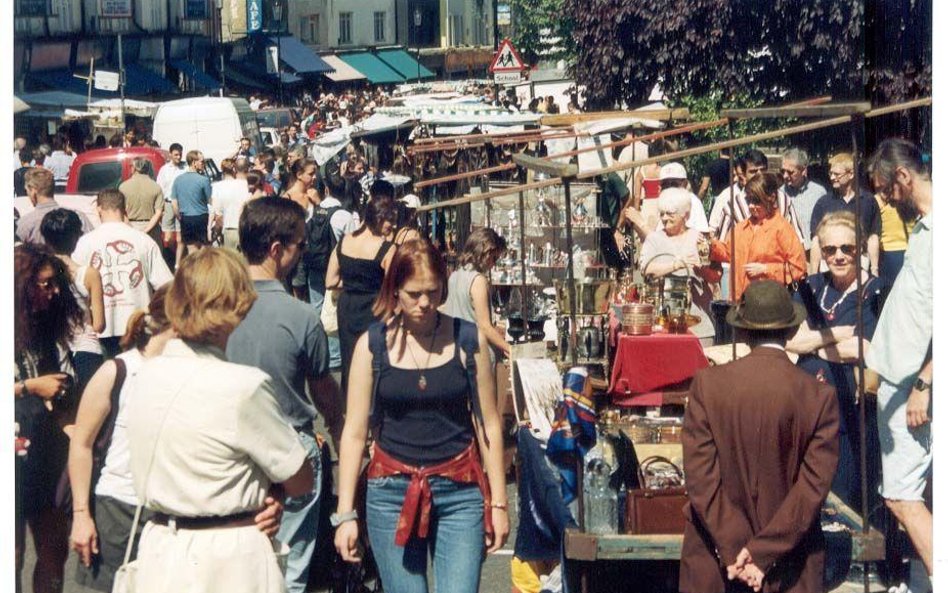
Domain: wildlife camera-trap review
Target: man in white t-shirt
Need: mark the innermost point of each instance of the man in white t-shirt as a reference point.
(129, 262)
(170, 228)
(227, 201)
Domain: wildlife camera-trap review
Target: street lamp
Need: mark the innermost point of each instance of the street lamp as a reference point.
(219, 4)
(418, 44)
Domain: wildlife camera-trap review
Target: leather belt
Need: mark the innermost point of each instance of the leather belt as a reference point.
(214, 522)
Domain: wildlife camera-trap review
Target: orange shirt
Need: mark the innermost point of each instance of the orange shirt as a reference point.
(772, 242)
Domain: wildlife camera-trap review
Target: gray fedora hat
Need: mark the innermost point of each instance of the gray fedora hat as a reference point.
(766, 304)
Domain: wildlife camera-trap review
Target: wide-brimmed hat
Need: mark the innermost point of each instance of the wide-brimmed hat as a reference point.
(766, 304)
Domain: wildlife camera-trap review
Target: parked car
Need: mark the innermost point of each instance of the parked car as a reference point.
(106, 168)
(213, 125)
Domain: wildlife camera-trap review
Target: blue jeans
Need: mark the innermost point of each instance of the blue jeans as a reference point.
(317, 295)
(300, 521)
(455, 537)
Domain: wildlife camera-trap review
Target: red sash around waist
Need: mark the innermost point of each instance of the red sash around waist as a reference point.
(415, 518)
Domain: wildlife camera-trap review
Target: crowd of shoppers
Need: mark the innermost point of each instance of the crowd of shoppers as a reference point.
(205, 377)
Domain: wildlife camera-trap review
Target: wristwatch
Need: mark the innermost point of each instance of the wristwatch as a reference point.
(337, 519)
(921, 385)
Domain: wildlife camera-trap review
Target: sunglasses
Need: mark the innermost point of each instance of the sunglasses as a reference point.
(830, 250)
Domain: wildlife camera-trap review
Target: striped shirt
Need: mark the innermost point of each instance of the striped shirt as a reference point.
(722, 218)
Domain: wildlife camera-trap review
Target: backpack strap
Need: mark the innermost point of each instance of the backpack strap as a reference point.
(379, 352)
(465, 335)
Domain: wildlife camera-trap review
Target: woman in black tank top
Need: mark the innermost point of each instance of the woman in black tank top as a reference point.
(423, 381)
(359, 277)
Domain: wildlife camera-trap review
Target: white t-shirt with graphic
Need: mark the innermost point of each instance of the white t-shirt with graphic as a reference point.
(131, 266)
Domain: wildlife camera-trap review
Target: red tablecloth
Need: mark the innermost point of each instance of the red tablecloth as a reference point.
(645, 364)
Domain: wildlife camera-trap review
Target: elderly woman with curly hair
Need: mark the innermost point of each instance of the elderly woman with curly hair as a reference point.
(207, 440)
(46, 316)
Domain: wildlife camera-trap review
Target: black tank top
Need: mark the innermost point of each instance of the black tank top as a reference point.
(424, 428)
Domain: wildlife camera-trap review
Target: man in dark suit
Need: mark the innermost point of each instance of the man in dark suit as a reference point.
(760, 451)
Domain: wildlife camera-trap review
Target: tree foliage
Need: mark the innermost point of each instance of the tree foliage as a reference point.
(538, 21)
(774, 52)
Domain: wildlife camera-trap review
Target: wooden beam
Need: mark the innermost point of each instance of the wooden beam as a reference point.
(831, 110)
(568, 119)
(549, 167)
(467, 175)
(470, 198)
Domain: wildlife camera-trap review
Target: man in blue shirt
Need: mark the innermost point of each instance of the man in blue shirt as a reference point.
(190, 196)
(901, 349)
(283, 337)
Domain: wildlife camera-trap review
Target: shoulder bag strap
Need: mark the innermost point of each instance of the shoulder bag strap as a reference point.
(104, 439)
(138, 508)
(377, 348)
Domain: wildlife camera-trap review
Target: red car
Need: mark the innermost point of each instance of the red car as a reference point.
(106, 168)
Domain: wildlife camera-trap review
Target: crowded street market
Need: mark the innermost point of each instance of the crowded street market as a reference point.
(308, 318)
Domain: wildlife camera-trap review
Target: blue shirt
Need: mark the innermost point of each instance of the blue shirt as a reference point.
(868, 210)
(193, 193)
(282, 336)
(904, 334)
(840, 310)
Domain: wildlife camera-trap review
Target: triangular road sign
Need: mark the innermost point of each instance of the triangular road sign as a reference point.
(507, 59)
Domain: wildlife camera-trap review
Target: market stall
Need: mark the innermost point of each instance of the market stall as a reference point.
(639, 329)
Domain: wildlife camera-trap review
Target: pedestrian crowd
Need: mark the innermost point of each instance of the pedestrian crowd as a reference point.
(172, 362)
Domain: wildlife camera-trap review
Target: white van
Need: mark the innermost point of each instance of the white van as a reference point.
(213, 125)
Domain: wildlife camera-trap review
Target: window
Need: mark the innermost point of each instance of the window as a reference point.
(456, 29)
(345, 27)
(309, 29)
(94, 177)
(33, 8)
(379, 20)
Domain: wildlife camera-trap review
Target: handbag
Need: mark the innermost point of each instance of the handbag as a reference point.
(124, 581)
(656, 507)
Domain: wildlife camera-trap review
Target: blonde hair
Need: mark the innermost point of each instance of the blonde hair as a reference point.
(210, 295)
(843, 159)
(838, 218)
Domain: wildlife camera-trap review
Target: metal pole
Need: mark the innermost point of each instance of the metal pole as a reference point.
(280, 66)
(89, 82)
(121, 82)
(857, 121)
(570, 279)
(732, 272)
(220, 46)
(523, 263)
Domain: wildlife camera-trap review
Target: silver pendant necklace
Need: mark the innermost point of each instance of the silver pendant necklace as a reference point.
(422, 381)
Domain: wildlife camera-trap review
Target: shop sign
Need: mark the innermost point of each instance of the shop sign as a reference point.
(254, 15)
(106, 81)
(115, 8)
